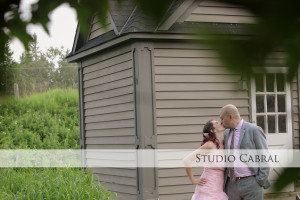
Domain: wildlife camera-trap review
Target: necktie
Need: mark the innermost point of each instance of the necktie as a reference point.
(231, 169)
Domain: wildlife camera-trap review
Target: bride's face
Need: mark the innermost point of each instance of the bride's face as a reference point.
(218, 127)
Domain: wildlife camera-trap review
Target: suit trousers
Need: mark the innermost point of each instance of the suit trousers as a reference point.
(244, 189)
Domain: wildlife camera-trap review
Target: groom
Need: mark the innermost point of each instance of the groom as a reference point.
(245, 182)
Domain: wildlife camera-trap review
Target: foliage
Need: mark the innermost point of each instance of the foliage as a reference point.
(40, 71)
(14, 25)
(50, 183)
(42, 121)
(286, 177)
(276, 29)
(6, 71)
(277, 26)
(65, 74)
(33, 70)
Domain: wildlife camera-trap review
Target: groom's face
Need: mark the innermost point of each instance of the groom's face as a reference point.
(225, 120)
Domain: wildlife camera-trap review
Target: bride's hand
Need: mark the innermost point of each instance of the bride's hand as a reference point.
(199, 181)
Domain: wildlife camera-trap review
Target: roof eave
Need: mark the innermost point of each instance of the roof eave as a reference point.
(127, 37)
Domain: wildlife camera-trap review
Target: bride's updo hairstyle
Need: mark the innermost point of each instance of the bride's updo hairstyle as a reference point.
(209, 134)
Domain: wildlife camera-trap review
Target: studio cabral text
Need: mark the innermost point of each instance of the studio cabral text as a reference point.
(245, 158)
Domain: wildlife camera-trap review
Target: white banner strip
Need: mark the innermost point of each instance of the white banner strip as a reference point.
(152, 158)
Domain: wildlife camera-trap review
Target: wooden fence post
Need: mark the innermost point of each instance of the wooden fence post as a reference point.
(16, 90)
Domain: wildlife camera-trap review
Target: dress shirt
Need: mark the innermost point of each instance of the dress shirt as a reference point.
(244, 170)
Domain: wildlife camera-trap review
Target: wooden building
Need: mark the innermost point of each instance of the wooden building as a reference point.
(144, 85)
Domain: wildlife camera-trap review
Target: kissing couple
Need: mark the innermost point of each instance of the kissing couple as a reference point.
(233, 183)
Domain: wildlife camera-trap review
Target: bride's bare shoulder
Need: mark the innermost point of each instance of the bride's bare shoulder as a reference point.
(208, 145)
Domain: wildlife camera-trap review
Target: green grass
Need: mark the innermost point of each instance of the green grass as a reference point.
(50, 183)
(42, 121)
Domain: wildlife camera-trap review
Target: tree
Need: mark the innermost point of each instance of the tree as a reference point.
(7, 71)
(64, 75)
(34, 70)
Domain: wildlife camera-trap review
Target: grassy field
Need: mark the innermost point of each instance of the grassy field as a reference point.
(44, 121)
(50, 184)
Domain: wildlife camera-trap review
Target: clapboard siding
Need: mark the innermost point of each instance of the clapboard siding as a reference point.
(178, 87)
(174, 172)
(111, 140)
(176, 189)
(190, 88)
(108, 70)
(197, 78)
(183, 137)
(192, 112)
(108, 155)
(110, 101)
(189, 128)
(295, 107)
(110, 93)
(110, 146)
(110, 109)
(124, 172)
(123, 57)
(211, 11)
(181, 120)
(110, 132)
(109, 117)
(191, 61)
(173, 181)
(201, 103)
(98, 29)
(109, 86)
(189, 70)
(202, 95)
(108, 78)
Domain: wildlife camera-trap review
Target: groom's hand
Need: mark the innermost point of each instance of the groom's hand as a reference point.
(199, 181)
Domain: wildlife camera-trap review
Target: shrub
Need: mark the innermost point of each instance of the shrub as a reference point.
(42, 121)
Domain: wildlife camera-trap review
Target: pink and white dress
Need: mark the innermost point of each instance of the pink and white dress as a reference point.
(213, 188)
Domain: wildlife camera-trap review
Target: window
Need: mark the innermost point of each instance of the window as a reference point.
(270, 97)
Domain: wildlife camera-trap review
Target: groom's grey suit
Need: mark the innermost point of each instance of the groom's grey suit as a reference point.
(251, 137)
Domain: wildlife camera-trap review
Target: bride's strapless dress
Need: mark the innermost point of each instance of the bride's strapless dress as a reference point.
(213, 188)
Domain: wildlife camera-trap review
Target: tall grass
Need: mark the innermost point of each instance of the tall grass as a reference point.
(42, 121)
(50, 184)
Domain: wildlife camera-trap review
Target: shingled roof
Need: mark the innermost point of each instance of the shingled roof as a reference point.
(128, 18)
(121, 12)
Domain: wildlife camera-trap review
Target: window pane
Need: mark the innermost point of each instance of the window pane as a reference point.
(281, 103)
(271, 124)
(282, 123)
(259, 82)
(261, 122)
(270, 103)
(280, 82)
(270, 82)
(260, 107)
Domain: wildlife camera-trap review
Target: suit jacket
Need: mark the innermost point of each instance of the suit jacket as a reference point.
(252, 137)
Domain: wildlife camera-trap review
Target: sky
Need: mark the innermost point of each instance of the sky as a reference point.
(62, 28)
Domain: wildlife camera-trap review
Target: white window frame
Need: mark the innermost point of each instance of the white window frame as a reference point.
(288, 99)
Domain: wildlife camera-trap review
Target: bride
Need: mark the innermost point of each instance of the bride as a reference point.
(210, 185)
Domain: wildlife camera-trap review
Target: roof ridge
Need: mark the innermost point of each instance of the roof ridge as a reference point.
(128, 19)
(163, 18)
